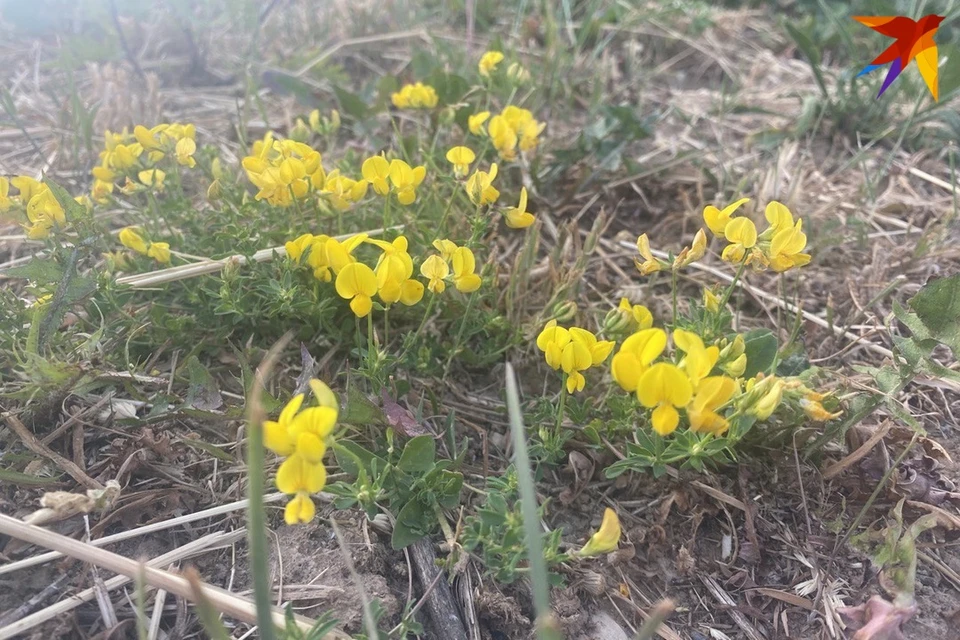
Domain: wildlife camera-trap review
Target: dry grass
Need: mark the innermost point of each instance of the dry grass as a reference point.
(752, 554)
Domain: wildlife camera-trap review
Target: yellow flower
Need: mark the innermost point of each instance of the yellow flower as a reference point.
(664, 387)
(712, 393)
(357, 283)
(606, 539)
(132, 240)
(295, 248)
(343, 192)
(159, 251)
(476, 121)
(100, 190)
(518, 217)
(415, 96)
(698, 360)
(650, 264)
(489, 62)
(5, 201)
(717, 219)
(694, 252)
(480, 186)
(329, 254)
(742, 235)
(815, 410)
(524, 125)
(445, 247)
(503, 137)
(464, 265)
(394, 271)
(574, 350)
(460, 158)
(786, 247)
(635, 355)
(406, 180)
(376, 171)
(184, 151)
(778, 217)
(435, 269)
(153, 177)
(639, 314)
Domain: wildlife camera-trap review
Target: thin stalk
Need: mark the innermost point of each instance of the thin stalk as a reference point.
(673, 292)
(423, 322)
(463, 328)
(562, 405)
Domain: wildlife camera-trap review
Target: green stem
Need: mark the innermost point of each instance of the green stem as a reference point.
(463, 328)
(562, 405)
(256, 514)
(423, 323)
(673, 287)
(386, 327)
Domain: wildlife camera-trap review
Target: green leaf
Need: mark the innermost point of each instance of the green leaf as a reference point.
(351, 456)
(359, 410)
(25, 479)
(938, 306)
(72, 209)
(413, 523)
(203, 392)
(418, 455)
(761, 349)
(351, 104)
(39, 270)
(448, 489)
(813, 56)
(450, 87)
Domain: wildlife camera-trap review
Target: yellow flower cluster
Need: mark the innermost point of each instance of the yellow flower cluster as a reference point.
(780, 246)
(37, 201)
(512, 129)
(574, 350)
(480, 187)
(437, 268)
(300, 436)
(666, 387)
(396, 176)
(136, 158)
(132, 239)
(392, 278)
(415, 96)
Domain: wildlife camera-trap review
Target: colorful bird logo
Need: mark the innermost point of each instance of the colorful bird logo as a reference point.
(914, 40)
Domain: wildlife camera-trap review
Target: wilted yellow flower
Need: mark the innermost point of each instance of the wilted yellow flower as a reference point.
(480, 186)
(460, 158)
(664, 387)
(814, 410)
(718, 219)
(518, 217)
(606, 539)
(476, 121)
(489, 62)
(650, 264)
(357, 283)
(694, 252)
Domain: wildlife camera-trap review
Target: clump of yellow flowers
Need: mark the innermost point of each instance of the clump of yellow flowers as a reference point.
(301, 436)
(35, 199)
(574, 350)
(415, 96)
(780, 246)
(136, 158)
(513, 129)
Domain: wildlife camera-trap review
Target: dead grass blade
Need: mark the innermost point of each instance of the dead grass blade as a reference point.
(836, 469)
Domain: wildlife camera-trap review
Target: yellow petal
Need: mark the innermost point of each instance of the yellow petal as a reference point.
(299, 510)
(606, 539)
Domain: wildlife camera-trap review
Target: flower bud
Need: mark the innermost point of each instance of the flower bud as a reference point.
(617, 321)
(710, 301)
(564, 311)
(735, 367)
(300, 132)
(763, 397)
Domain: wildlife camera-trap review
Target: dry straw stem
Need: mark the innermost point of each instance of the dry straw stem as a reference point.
(352, 42)
(183, 272)
(225, 602)
(209, 542)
